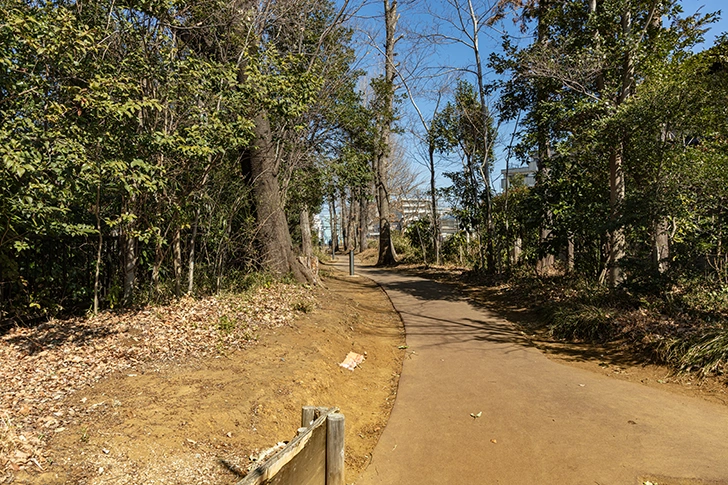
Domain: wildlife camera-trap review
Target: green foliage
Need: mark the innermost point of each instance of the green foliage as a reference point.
(121, 129)
(419, 235)
(403, 247)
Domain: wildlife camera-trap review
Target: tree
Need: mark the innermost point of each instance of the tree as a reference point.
(595, 56)
(384, 92)
(459, 127)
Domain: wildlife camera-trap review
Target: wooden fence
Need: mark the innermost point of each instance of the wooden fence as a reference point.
(314, 457)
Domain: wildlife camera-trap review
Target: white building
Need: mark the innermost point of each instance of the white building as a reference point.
(527, 173)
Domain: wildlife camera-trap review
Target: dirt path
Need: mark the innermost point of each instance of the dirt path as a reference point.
(542, 422)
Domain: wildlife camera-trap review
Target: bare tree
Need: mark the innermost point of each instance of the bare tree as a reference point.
(461, 22)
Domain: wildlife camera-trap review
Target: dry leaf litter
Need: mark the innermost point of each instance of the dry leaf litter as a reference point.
(42, 365)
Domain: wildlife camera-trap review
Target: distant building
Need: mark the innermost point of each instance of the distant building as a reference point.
(448, 224)
(527, 173)
(415, 209)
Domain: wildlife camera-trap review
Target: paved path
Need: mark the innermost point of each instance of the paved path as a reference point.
(542, 422)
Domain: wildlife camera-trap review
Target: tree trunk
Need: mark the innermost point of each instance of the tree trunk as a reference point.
(158, 260)
(334, 227)
(130, 265)
(97, 272)
(345, 236)
(308, 259)
(274, 237)
(191, 262)
(177, 263)
(617, 240)
(387, 254)
(570, 254)
(433, 204)
(516, 251)
(363, 222)
(661, 245)
(352, 224)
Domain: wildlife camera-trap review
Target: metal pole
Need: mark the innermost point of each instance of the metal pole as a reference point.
(351, 262)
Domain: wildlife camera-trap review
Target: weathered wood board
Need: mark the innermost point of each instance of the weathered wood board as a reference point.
(301, 462)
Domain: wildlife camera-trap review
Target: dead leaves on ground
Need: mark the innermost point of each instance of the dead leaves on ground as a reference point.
(40, 366)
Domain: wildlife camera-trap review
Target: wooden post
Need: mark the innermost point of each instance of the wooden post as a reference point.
(307, 416)
(335, 449)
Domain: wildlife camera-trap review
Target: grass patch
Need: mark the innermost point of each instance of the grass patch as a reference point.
(704, 352)
(581, 322)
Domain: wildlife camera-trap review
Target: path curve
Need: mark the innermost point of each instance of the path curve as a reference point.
(542, 422)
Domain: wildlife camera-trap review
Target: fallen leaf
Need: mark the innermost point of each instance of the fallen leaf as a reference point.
(494, 441)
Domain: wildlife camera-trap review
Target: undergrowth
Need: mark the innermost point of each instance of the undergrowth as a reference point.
(684, 326)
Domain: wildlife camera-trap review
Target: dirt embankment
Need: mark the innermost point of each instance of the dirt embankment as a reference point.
(205, 420)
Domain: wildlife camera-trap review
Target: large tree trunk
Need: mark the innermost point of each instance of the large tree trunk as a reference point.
(352, 223)
(485, 137)
(130, 264)
(157, 266)
(345, 235)
(99, 249)
(274, 237)
(387, 255)
(617, 240)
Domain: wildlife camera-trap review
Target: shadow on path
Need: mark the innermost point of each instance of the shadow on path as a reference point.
(528, 327)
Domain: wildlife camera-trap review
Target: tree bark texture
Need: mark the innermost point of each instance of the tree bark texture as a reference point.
(344, 213)
(661, 245)
(363, 222)
(177, 263)
(334, 225)
(274, 237)
(485, 165)
(191, 261)
(617, 239)
(307, 258)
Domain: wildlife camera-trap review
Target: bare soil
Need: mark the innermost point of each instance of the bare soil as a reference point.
(207, 419)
